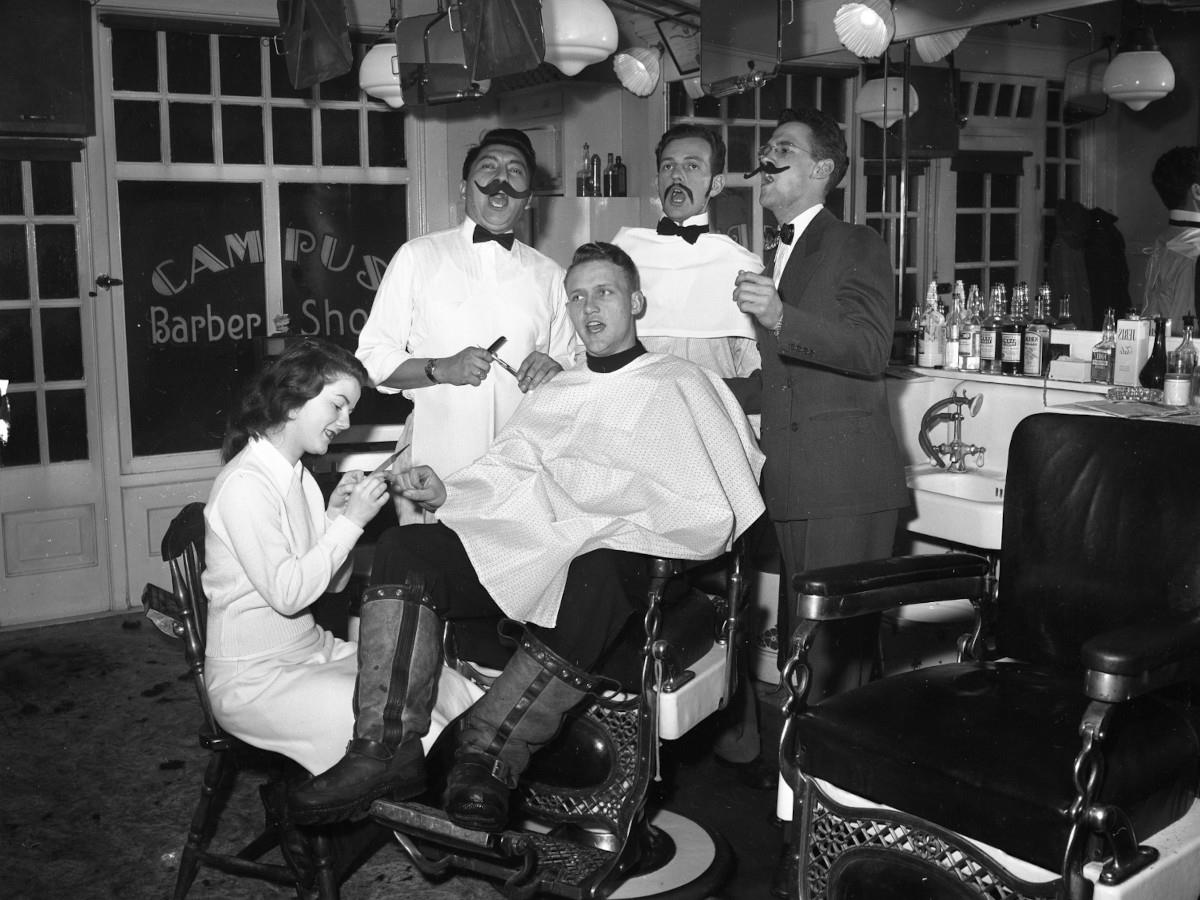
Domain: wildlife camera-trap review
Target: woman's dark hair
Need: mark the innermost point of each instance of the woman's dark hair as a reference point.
(285, 384)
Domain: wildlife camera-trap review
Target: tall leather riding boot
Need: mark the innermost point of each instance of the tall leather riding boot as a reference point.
(399, 661)
(522, 710)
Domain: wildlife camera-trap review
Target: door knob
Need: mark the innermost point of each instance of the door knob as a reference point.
(106, 282)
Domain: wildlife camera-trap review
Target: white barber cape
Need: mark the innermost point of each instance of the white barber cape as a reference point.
(689, 287)
(654, 458)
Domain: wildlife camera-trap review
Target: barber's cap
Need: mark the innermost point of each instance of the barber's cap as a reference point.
(504, 137)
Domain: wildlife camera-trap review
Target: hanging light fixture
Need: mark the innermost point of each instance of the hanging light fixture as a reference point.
(638, 69)
(578, 33)
(1139, 74)
(934, 47)
(693, 87)
(881, 101)
(379, 71)
(865, 28)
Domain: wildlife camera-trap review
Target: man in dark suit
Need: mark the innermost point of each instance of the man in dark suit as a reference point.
(834, 476)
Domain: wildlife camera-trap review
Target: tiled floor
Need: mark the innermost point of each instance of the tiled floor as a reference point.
(100, 769)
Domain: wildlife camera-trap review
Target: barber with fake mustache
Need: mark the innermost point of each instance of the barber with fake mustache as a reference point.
(446, 300)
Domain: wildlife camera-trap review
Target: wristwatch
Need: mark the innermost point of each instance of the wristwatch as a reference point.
(778, 328)
(430, 368)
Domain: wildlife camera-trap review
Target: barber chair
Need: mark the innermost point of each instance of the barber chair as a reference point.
(1059, 756)
(583, 827)
(314, 861)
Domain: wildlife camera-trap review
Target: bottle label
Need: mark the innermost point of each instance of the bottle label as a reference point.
(1037, 341)
(1010, 347)
(1102, 365)
(988, 345)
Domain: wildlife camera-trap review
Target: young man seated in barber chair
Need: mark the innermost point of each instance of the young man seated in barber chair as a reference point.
(634, 456)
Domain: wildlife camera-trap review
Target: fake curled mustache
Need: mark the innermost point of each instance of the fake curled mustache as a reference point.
(766, 166)
(683, 187)
(500, 186)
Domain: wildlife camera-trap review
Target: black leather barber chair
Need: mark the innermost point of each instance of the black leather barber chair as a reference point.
(583, 825)
(1058, 757)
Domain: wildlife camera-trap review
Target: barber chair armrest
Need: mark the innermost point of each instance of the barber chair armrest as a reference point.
(1131, 661)
(843, 592)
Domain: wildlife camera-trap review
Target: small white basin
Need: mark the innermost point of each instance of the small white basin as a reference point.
(959, 507)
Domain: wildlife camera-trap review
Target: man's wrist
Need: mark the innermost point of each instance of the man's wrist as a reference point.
(431, 371)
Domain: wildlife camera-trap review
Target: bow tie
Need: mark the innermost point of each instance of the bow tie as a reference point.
(787, 232)
(482, 236)
(690, 233)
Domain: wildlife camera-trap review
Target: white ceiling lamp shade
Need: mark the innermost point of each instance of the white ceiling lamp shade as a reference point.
(379, 74)
(1141, 74)
(934, 47)
(865, 28)
(881, 101)
(639, 70)
(578, 33)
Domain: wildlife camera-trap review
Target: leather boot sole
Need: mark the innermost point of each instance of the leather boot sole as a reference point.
(356, 808)
(347, 790)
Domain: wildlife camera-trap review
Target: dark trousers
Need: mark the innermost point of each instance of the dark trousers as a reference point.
(596, 601)
(845, 653)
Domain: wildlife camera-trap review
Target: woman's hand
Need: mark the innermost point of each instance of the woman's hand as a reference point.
(470, 365)
(421, 485)
(341, 494)
(538, 368)
(365, 497)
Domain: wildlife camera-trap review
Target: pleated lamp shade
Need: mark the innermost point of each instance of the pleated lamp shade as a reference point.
(638, 69)
(933, 47)
(578, 33)
(865, 28)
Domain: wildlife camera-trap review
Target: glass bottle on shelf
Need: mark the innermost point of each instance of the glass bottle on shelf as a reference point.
(1104, 353)
(620, 178)
(954, 326)
(1012, 333)
(933, 345)
(1155, 369)
(1036, 355)
(1044, 296)
(583, 177)
(1181, 368)
(1063, 319)
(596, 178)
(968, 341)
(609, 175)
(916, 336)
(989, 333)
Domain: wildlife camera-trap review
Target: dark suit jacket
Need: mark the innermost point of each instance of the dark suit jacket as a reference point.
(826, 429)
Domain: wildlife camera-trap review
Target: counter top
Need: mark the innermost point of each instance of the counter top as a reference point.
(911, 373)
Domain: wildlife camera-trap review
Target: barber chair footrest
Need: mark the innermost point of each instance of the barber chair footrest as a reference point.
(526, 862)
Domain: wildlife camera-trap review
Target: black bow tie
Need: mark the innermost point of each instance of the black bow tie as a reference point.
(482, 236)
(787, 232)
(690, 233)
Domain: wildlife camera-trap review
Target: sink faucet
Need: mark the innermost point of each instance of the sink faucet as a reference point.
(951, 410)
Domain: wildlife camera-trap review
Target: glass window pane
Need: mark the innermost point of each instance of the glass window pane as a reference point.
(385, 139)
(968, 277)
(708, 107)
(344, 87)
(741, 106)
(22, 446)
(138, 136)
(11, 203)
(53, 192)
(678, 101)
(292, 136)
(1073, 189)
(772, 99)
(339, 137)
(968, 237)
(1054, 105)
(804, 90)
(983, 99)
(58, 272)
(1053, 137)
(242, 139)
(1005, 275)
(188, 70)
(241, 75)
(969, 190)
(1052, 193)
(66, 425)
(1005, 95)
(62, 347)
(873, 197)
(1004, 190)
(733, 213)
(833, 98)
(1003, 238)
(740, 150)
(191, 132)
(14, 264)
(964, 97)
(1073, 138)
(16, 344)
(134, 59)
(1025, 102)
(280, 85)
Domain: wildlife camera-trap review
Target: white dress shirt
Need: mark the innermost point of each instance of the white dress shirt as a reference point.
(784, 251)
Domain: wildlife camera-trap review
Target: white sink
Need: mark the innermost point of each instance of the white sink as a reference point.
(959, 507)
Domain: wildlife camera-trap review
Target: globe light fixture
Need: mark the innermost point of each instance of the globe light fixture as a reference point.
(578, 33)
(865, 28)
(379, 74)
(1140, 74)
(881, 101)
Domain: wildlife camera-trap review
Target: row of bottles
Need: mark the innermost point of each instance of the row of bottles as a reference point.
(1175, 373)
(1001, 340)
(591, 180)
